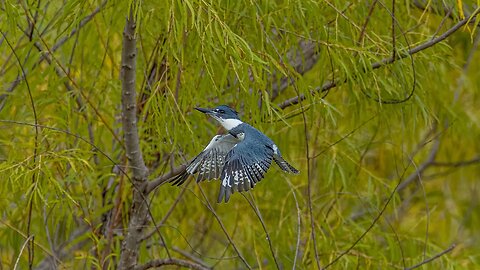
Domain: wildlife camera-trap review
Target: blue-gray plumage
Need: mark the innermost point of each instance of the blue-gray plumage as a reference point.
(239, 158)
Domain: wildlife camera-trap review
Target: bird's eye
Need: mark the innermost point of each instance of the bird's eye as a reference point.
(221, 111)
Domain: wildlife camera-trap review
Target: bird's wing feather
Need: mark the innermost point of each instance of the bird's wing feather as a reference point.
(284, 165)
(209, 163)
(245, 165)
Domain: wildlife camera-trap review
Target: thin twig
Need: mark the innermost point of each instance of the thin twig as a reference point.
(394, 42)
(31, 248)
(377, 217)
(259, 215)
(309, 185)
(190, 256)
(432, 258)
(440, 25)
(167, 215)
(209, 206)
(299, 224)
(367, 19)
(21, 251)
(344, 137)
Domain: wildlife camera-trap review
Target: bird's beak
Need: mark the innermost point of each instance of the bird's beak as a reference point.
(207, 111)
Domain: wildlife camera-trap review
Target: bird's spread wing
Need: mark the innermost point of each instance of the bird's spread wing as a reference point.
(209, 163)
(245, 165)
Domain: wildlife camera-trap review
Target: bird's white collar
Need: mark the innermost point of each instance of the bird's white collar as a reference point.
(230, 124)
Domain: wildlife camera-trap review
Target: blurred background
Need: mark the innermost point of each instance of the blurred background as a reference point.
(376, 102)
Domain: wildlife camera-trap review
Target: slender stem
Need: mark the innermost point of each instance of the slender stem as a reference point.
(433, 258)
(230, 240)
(259, 215)
(30, 247)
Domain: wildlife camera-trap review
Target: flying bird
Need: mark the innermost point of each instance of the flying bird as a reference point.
(239, 158)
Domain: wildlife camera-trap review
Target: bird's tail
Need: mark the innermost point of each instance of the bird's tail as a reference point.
(179, 179)
(284, 165)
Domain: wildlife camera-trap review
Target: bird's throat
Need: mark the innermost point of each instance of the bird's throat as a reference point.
(230, 124)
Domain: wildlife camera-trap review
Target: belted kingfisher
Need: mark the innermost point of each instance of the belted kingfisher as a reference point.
(239, 158)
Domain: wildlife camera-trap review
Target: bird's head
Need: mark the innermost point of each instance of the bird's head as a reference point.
(225, 115)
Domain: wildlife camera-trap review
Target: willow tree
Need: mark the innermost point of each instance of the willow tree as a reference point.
(375, 102)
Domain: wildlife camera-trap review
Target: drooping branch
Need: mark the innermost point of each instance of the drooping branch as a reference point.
(386, 61)
(138, 214)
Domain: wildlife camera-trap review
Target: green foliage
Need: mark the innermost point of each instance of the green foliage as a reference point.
(353, 143)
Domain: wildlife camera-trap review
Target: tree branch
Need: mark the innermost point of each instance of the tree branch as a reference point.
(172, 261)
(386, 61)
(138, 215)
(162, 179)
